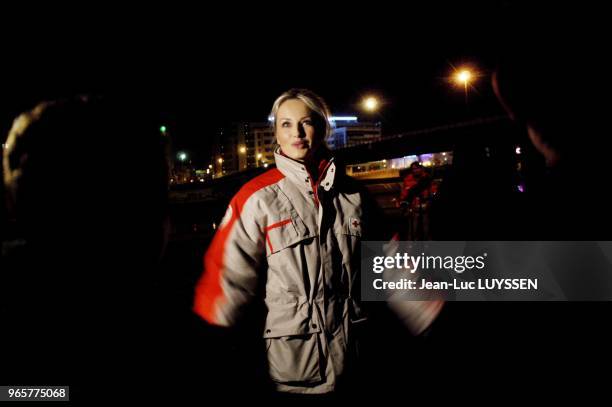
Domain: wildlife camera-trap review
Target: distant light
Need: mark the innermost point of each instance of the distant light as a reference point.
(208, 170)
(426, 157)
(518, 150)
(266, 165)
(209, 165)
(182, 156)
(444, 154)
(370, 103)
(190, 180)
(220, 160)
(427, 163)
(243, 150)
(521, 188)
(163, 129)
(463, 76)
(214, 226)
(343, 119)
(384, 161)
(259, 155)
(201, 179)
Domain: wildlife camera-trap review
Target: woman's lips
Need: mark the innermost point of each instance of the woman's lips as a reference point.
(300, 144)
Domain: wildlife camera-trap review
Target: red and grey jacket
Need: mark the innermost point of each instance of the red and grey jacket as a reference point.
(302, 236)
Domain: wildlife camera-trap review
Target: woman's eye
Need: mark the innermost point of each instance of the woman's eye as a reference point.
(307, 122)
(285, 124)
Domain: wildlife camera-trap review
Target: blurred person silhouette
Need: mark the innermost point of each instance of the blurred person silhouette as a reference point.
(86, 186)
(565, 122)
(565, 125)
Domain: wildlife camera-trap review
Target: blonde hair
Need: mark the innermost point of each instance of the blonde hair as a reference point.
(313, 101)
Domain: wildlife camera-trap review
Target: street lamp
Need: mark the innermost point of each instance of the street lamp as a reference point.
(242, 150)
(182, 156)
(463, 77)
(370, 103)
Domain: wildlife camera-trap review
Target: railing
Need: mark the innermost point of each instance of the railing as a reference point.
(376, 174)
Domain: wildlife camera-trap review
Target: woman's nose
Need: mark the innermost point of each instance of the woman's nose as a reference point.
(301, 133)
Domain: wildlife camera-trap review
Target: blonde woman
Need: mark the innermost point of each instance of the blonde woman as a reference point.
(297, 227)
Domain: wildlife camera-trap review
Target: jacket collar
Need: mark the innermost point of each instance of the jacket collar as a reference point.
(298, 173)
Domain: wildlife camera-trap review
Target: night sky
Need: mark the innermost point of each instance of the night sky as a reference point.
(199, 71)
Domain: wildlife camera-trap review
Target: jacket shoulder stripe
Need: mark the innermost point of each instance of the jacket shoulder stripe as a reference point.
(209, 292)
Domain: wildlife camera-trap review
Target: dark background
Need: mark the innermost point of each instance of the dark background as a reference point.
(202, 66)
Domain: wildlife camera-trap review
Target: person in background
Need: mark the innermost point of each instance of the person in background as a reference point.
(86, 188)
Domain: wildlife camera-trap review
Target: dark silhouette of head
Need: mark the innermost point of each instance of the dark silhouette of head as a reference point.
(89, 170)
(551, 86)
(87, 185)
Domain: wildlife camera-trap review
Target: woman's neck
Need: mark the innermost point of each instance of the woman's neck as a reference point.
(315, 163)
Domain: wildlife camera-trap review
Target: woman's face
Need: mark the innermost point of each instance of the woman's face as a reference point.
(296, 132)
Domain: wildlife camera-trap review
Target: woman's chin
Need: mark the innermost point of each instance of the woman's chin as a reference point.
(298, 154)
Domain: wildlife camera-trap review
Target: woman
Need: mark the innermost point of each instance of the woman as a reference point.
(297, 227)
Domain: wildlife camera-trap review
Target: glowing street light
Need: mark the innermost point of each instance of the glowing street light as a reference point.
(182, 156)
(463, 77)
(220, 160)
(370, 103)
(242, 150)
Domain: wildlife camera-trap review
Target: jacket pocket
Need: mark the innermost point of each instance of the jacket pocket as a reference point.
(288, 231)
(351, 236)
(292, 343)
